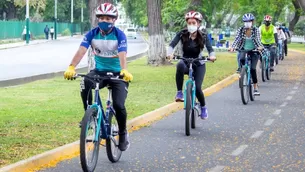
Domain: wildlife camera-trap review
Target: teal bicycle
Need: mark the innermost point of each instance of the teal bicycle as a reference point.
(245, 83)
(190, 94)
(265, 65)
(98, 124)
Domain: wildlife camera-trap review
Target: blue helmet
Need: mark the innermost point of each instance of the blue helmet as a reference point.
(248, 17)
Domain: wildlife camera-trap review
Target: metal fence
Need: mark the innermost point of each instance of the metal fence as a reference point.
(14, 29)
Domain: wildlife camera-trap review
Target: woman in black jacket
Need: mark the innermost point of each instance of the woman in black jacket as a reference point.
(193, 42)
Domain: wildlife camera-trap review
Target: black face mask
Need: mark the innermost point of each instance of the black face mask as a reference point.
(267, 23)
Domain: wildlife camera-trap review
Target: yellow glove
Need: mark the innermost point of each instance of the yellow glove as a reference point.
(70, 72)
(127, 76)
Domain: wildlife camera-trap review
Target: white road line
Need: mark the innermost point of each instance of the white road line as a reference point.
(239, 150)
(295, 87)
(284, 104)
(269, 122)
(218, 168)
(256, 134)
(292, 92)
(288, 97)
(277, 112)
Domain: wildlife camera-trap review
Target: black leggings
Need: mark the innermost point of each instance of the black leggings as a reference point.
(285, 46)
(119, 95)
(199, 72)
(254, 59)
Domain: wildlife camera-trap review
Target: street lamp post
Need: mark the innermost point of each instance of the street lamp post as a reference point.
(55, 20)
(71, 18)
(82, 18)
(27, 36)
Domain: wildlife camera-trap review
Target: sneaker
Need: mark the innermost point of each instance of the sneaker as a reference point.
(80, 124)
(256, 92)
(179, 97)
(238, 70)
(123, 141)
(271, 69)
(204, 113)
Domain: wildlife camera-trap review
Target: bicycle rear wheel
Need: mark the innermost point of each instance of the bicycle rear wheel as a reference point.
(112, 142)
(188, 108)
(89, 147)
(244, 88)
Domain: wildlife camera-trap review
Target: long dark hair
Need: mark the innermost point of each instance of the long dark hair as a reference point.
(200, 38)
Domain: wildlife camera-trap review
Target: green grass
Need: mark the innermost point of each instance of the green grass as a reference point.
(297, 46)
(42, 115)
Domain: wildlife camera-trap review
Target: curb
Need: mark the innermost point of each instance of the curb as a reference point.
(52, 157)
(297, 51)
(19, 81)
(22, 45)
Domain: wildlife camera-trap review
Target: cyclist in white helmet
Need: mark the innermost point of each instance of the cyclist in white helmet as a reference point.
(248, 38)
(193, 41)
(109, 45)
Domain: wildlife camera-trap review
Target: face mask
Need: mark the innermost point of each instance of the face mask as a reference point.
(268, 23)
(105, 26)
(192, 28)
(248, 24)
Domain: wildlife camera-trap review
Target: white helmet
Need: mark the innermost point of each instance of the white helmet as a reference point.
(193, 15)
(106, 9)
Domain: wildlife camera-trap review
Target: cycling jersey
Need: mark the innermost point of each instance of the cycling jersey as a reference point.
(106, 48)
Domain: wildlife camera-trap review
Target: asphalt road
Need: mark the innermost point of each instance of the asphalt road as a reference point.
(265, 135)
(49, 57)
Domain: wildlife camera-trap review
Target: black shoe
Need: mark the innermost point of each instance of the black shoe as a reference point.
(271, 69)
(286, 55)
(238, 70)
(123, 141)
(80, 124)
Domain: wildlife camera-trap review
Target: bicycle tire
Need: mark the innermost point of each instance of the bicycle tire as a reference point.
(263, 69)
(268, 72)
(193, 119)
(90, 116)
(244, 93)
(188, 108)
(113, 152)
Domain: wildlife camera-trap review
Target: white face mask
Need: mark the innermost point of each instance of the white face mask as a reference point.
(248, 24)
(192, 28)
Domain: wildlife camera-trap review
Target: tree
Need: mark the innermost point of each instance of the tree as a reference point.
(156, 52)
(297, 14)
(92, 6)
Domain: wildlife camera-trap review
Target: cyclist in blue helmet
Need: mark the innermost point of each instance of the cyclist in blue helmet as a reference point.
(248, 38)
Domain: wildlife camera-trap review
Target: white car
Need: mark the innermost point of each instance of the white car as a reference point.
(131, 33)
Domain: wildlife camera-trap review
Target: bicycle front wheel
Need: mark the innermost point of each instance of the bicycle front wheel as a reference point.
(244, 88)
(89, 144)
(188, 108)
(112, 142)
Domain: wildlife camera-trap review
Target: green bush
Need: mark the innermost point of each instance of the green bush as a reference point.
(66, 32)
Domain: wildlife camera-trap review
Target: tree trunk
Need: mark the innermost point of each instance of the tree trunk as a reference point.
(297, 14)
(92, 6)
(229, 19)
(156, 52)
(302, 4)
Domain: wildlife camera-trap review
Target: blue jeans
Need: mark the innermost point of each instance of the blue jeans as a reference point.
(238, 59)
(280, 47)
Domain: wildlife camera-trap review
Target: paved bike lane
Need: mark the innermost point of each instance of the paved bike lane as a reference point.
(265, 135)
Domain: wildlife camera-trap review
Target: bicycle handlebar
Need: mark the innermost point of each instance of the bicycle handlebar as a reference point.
(192, 60)
(97, 78)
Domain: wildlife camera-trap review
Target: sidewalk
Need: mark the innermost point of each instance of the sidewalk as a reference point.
(33, 42)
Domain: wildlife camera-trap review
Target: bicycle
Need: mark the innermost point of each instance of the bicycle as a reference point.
(190, 94)
(103, 123)
(265, 66)
(245, 83)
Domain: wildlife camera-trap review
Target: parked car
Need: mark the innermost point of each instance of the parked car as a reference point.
(130, 33)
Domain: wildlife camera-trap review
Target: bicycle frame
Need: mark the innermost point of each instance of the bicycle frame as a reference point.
(247, 66)
(102, 117)
(192, 81)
